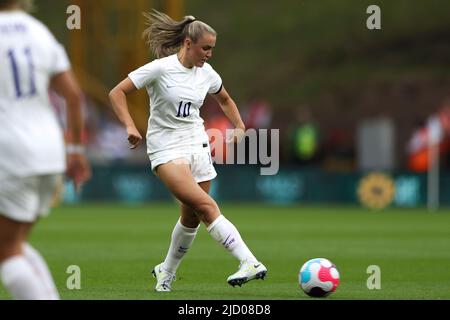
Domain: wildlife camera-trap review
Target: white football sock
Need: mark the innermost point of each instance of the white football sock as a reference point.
(182, 238)
(41, 268)
(224, 232)
(21, 281)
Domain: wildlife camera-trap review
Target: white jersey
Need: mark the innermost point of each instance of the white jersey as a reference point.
(31, 140)
(176, 95)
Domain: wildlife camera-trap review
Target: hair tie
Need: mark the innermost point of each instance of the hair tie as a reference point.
(191, 19)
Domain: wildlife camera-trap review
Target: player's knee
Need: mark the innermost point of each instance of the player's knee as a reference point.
(205, 210)
(9, 249)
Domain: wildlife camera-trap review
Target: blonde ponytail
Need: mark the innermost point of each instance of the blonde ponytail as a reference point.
(165, 35)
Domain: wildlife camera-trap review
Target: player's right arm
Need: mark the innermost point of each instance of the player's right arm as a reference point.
(118, 98)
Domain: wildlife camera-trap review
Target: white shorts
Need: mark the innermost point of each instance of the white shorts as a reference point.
(200, 162)
(26, 199)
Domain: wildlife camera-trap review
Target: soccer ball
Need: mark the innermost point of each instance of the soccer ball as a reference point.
(318, 277)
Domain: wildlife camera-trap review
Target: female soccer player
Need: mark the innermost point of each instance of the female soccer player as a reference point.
(32, 151)
(177, 144)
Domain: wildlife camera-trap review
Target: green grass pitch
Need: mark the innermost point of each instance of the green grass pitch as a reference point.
(117, 246)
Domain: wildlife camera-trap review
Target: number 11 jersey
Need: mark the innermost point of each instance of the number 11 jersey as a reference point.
(31, 140)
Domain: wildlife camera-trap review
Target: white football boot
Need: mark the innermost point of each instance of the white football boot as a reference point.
(247, 271)
(164, 279)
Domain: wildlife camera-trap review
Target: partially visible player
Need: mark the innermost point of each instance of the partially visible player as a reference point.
(32, 147)
(177, 143)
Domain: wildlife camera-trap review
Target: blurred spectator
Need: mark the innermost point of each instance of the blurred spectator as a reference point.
(258, 114)
(109, 145)
(418, 145)
(303, 137)
(417, 148)
(339, 149)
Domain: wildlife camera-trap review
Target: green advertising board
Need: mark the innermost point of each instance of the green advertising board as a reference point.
(137, 184)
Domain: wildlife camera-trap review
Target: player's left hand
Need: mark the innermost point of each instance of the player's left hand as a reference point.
(236, 135)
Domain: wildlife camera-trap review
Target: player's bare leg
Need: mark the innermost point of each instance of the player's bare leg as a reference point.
(178, 179)
(38, 262)
(18, 276)
(182, 238)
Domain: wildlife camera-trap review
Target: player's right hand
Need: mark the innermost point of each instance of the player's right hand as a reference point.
(134, 137)
(78, 169)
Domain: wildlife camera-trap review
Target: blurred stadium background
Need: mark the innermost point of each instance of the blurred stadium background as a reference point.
(347, 100)
(352, 106)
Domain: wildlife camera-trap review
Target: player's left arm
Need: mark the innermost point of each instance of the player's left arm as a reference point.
(230, 109)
